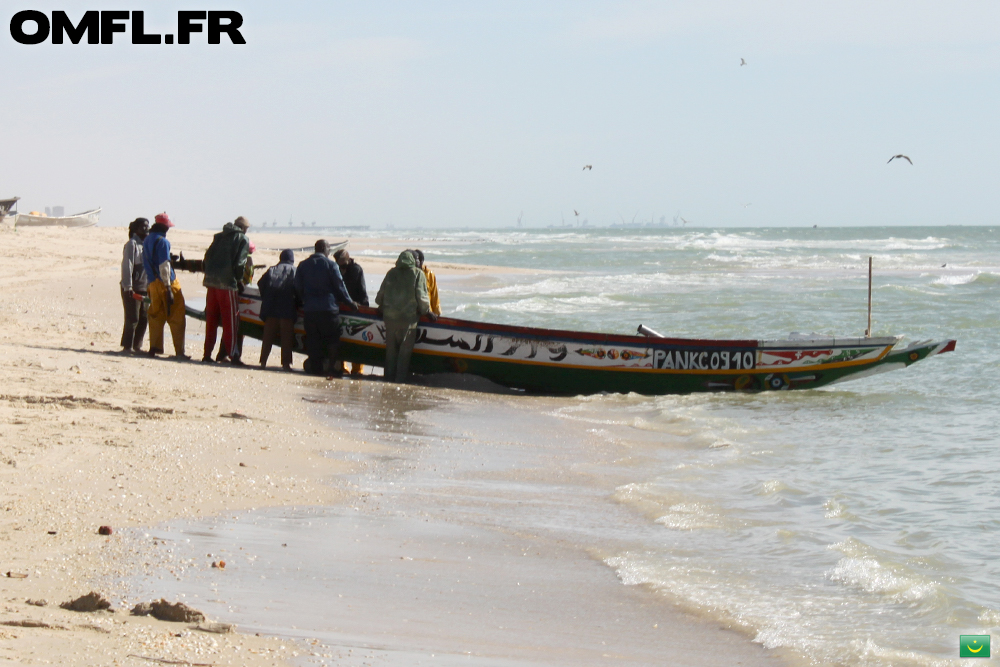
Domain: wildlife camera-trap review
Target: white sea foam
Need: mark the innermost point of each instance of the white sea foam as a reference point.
(835, 510)
(671, 509)
(956, 279)
(689, 516)
(872, 576)
(776, 619)
(990, 618)
(863, 568)
(772, 486)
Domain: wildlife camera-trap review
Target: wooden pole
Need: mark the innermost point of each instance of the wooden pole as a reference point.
(868, 331)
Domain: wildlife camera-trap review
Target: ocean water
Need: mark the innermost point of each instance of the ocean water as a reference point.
(852, 525)
(858, 524)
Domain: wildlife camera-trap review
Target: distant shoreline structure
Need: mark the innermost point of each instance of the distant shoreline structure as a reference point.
(313, 227)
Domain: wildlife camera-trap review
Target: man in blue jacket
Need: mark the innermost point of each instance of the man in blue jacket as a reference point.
(166, 301)
(320, 286)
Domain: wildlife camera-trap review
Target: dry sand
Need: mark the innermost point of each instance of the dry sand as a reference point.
(91, 437)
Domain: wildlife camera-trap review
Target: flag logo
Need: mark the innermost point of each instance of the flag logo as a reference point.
(974, 646)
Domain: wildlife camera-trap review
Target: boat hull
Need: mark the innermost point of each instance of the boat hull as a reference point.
(85, 219)
(565, 362)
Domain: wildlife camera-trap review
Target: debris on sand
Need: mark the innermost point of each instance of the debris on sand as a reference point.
(31, 623)
(176, 612)
(90, 602)
(217, 628)
(142, 609)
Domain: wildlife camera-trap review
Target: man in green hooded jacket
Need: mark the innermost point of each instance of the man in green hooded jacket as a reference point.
(225, 262)
(401, 300)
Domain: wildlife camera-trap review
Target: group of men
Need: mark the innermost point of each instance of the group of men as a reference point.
(319, 285)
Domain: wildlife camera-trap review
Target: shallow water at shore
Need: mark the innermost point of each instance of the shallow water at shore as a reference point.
(475, 535)
(853, 524)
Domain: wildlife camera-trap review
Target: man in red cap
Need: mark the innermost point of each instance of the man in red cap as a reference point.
(166, 301)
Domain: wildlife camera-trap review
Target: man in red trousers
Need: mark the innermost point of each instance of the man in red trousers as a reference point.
(225, 261)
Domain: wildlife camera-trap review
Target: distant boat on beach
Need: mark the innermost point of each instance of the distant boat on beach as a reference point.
(85, 219)
(549, 361)
(6, 217)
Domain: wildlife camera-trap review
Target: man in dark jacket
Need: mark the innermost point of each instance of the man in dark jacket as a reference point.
(134, 284)
(354, 276)
(354, 279)
(278, 305)
(225, 261)
(320, 286)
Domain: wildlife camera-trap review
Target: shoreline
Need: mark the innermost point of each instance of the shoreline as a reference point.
(92, 437)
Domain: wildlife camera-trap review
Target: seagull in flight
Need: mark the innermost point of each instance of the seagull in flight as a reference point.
(900, 156)
(575, 213)
(587, 166)
(742, 62)
(746, 205)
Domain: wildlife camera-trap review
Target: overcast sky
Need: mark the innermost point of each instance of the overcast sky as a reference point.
(447, 114)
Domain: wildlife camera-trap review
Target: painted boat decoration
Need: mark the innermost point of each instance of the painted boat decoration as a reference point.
(569, 362)
(85, 219)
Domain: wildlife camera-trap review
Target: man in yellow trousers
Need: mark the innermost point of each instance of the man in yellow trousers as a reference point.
(166, 302)
(432, 283)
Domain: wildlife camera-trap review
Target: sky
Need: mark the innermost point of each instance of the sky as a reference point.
(475, 114)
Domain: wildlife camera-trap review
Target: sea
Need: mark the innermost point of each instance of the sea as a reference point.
(856, 524)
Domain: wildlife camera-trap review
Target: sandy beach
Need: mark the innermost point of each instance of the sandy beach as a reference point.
(91, 437)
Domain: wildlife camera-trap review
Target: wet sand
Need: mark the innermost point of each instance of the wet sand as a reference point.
(91, 437)
(368, 588)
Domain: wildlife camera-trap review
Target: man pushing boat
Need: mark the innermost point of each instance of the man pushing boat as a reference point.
(401, 300)
(225, 264)
(320, 286)
(166, 301)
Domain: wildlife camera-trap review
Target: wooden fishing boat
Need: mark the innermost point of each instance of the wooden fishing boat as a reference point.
(180, 263)
(85, 219)
(6, 217)
(568, 362)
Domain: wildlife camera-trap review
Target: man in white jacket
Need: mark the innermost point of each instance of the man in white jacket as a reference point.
(133, 285)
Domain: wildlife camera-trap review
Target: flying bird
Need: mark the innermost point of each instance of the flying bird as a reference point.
(900, 156)
(575, 213)
(746, 205)
(742, 62)
(587, 166)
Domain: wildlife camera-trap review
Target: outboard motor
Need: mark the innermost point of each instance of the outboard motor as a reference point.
(649, 333)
